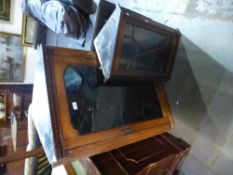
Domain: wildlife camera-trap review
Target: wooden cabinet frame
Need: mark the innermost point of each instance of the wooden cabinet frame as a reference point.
(69, 144)
(126, 17)
(141, 21)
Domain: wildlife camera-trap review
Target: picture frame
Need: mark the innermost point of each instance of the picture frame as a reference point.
(12, 58)
(5, 9)
(28, 28)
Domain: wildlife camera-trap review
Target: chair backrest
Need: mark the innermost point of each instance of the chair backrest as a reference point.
(43, 167)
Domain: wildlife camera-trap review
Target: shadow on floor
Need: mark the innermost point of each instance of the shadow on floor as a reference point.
(200, 94)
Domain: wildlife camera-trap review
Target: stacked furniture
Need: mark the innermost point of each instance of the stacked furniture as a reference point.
(107, 106)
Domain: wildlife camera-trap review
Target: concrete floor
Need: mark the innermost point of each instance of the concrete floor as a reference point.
(200, 95)
(200, 91)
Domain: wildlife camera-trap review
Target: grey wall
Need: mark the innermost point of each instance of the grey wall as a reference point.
(200, 91)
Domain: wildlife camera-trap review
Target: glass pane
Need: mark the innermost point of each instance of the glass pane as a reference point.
(96, 107)
(144, 50)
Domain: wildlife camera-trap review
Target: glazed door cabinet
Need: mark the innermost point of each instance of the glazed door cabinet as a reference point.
(133, 46)
(88, 116)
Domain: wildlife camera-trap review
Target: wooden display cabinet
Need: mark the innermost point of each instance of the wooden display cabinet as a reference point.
(131, 46)
(19, 132)
(22, 95)
(16, 99)
(3, 104)
(76, 93)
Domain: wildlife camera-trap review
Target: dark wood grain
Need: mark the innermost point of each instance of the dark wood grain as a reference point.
(158, 155)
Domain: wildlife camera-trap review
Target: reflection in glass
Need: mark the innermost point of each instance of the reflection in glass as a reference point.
(144, 50)
(96, 107)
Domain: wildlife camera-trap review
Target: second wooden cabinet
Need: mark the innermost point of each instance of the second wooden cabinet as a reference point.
(159, 155)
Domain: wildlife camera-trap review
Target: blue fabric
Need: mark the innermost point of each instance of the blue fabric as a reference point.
(58, 16)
